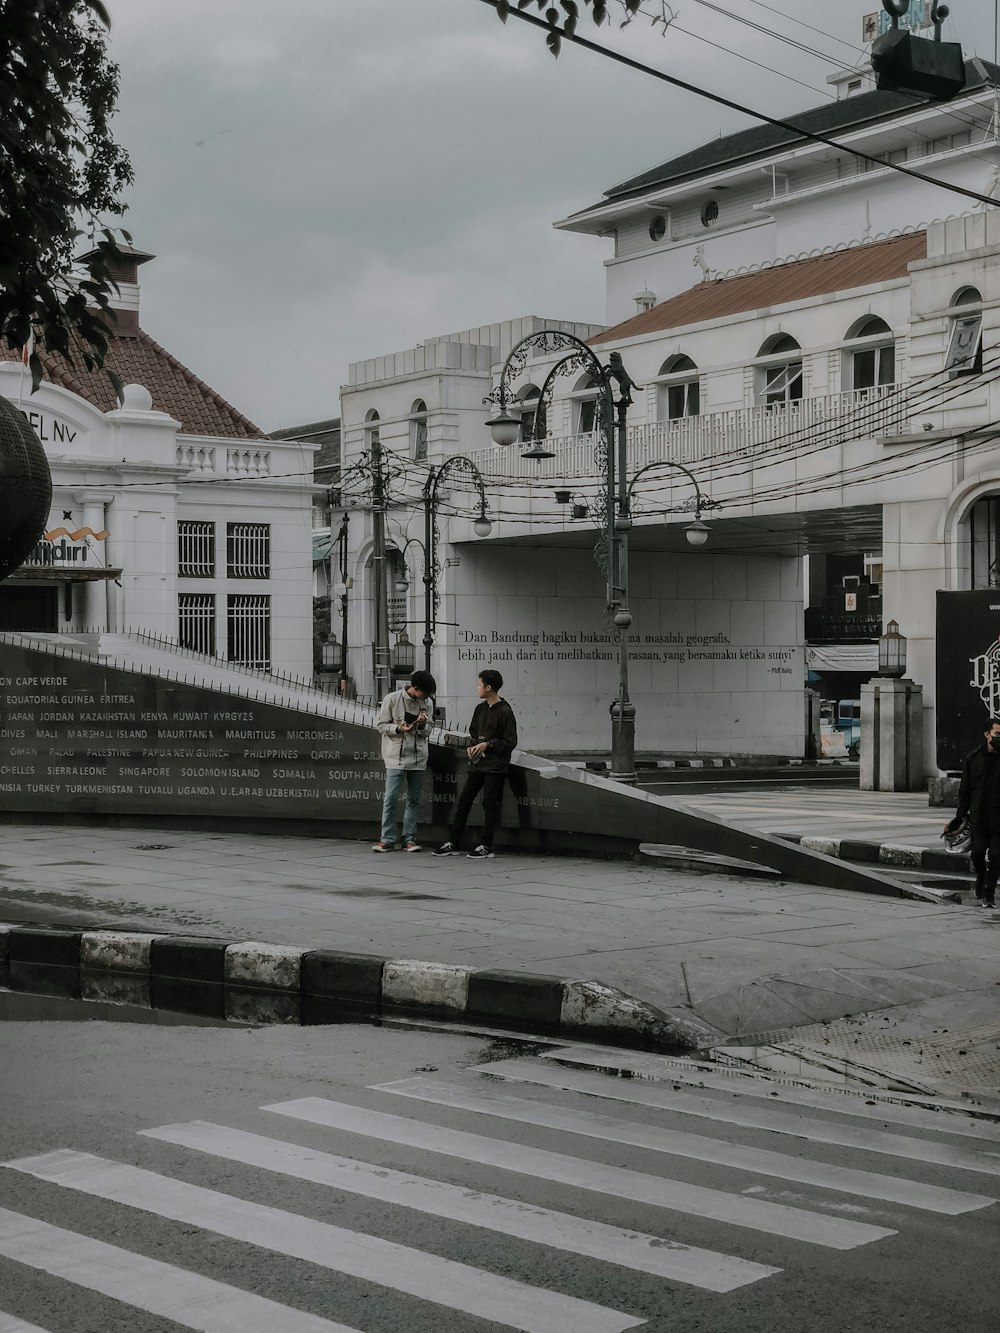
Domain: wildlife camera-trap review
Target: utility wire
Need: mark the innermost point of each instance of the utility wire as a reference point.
(683, 84)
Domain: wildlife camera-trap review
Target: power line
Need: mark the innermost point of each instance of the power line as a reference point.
(778, 123)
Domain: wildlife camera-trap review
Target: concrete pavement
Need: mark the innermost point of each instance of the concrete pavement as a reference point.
(750, 958)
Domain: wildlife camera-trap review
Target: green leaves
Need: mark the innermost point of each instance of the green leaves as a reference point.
(562, 21)
(59, 166)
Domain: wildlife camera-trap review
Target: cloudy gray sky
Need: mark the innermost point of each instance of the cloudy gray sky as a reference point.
(327, 180)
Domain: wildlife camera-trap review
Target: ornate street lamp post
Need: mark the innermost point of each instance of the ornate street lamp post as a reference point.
(482, 527)
(612, 507)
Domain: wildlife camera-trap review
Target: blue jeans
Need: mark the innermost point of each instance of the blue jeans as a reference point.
(396, 780)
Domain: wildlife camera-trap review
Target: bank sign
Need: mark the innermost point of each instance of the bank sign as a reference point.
(968, 671)
(918, 16)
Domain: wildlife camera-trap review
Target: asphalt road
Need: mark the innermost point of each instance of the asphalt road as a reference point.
(314, 1180)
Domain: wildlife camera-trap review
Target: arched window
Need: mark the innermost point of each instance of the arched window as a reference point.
(372, 420)
(524, 406)
(872, 362)
(418, 431)
(779, 372)
(678, 390)
(586, 395)
(965, 344)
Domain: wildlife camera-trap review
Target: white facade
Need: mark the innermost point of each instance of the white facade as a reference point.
(820, 417)
(124, 482)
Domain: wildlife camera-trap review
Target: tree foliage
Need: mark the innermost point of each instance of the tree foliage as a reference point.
(61, 172)
(562, 17)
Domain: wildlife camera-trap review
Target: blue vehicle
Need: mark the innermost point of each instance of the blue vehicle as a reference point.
(848, 721)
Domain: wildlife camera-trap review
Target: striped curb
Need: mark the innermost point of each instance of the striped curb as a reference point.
(885, 853)
(250, 981)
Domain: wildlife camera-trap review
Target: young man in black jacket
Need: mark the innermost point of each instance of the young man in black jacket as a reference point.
(493, 737)
(979, 799)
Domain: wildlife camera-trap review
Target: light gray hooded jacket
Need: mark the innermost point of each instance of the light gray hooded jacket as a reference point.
(408, 750)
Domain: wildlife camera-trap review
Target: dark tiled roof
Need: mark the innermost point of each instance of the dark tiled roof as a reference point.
(830, 119)
(842, 270)
(324, 433)
(138, 359)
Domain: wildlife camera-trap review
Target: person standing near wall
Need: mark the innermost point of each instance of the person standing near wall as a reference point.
(979, 802)
(492, 740)
(402, 723)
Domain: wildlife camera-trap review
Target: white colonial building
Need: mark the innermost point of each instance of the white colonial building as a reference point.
(172, 513)
(828, 386)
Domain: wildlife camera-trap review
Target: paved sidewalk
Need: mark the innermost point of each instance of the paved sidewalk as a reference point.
(746, 956)
(896, 829)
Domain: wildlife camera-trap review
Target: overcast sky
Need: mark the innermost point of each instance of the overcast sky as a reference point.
(327, 180)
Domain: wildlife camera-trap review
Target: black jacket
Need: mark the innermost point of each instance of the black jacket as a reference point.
(495, 726)
(972, 789)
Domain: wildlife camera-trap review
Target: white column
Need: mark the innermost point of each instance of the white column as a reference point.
(91, 599)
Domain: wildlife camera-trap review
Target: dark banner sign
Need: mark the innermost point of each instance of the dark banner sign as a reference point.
(968, 671)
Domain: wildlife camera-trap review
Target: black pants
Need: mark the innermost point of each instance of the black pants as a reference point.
(491, 785)
(985, 853)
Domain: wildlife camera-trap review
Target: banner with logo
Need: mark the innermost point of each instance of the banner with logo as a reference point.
(968, 671)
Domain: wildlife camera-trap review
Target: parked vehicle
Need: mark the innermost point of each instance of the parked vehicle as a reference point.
(849, 724)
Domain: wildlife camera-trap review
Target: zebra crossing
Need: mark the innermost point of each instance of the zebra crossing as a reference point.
(665, 1125)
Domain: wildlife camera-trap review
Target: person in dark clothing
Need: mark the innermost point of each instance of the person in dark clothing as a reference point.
(492, 739)
(979, 802)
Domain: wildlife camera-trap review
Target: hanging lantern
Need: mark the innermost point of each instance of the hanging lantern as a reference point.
(25, 488)
(404, 655)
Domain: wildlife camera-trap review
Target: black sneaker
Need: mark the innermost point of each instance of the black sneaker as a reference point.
(480, 853)
(446, 849)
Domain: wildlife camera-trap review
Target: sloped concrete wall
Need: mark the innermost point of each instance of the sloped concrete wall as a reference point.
(79, 739)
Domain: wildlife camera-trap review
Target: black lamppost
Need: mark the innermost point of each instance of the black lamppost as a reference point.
(612, 507)
(403, 587)
(482, 527)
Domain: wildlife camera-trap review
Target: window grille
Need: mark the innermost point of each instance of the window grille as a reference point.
(196, 622)
(195, 550)
(248, 629)
(248, 550)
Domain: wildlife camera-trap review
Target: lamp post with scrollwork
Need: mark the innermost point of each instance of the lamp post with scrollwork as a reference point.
(613, 506)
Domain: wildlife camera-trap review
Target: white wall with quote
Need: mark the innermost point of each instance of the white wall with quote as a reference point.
(715, 648)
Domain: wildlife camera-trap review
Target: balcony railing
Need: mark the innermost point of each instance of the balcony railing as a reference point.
(859, 414)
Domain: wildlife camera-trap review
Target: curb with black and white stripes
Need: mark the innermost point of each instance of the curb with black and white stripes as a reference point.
(902, 855)
(252, 981)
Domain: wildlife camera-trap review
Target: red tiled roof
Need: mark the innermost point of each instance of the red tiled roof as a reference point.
(861, 266)
(138, 359)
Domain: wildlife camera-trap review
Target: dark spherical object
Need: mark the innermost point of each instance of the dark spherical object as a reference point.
(25, 488)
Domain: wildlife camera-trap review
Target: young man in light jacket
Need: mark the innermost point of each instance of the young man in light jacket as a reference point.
(403, 723)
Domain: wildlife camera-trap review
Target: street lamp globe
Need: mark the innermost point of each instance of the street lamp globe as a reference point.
(697, 533)
(623, 618)
(505, 427)
(482, 526)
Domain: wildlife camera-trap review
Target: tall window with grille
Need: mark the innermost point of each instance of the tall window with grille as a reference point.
(195, 549)
(248, 550)
(196, 621)
(248, 629)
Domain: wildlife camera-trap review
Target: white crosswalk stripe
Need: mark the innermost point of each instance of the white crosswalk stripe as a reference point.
(474, 1288)
(443, 1281)
(510, 1217)
(662, 1097)
(614, 1129)
(732, 1081)
(189, 1299)
(757, 1214)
